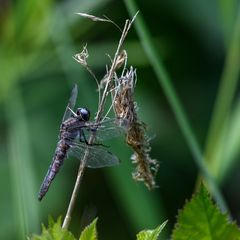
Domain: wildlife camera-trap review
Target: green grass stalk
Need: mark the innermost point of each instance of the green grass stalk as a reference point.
(224, 100)
(25, 206)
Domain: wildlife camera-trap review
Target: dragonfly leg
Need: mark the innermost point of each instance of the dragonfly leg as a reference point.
(82, 137)
(106, 146)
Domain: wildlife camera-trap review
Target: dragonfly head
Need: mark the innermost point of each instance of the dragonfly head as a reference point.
(83, 114)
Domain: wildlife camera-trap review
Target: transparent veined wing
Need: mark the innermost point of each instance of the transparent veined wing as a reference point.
(71, 103)
(98, 156)
(104, 130)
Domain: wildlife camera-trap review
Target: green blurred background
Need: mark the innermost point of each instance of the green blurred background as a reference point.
(195, 44)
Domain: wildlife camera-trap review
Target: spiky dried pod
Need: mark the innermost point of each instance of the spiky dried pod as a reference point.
(126, 108)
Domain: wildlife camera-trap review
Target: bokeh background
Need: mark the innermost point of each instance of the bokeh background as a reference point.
(196, 58)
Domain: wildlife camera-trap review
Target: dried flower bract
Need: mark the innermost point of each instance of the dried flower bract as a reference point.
(82, 56)
(126, 108)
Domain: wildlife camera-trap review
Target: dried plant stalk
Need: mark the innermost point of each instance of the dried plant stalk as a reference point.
(122, 92)
(82, 59)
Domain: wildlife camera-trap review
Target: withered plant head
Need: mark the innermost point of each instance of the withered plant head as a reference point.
(82, 57)
(122, 91)
(126, 108)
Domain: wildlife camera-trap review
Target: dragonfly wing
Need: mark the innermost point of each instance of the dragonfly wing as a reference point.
(98, 156)
(104, 130)
(71, 103)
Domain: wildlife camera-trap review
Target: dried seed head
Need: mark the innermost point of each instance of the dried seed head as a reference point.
(126, 108)
(82, 56)
(121, 59)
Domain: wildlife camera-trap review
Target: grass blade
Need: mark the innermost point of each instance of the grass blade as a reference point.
(24, 191)
(222, 108)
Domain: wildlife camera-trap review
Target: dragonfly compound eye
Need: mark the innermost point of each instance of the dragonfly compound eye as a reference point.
(83, 113)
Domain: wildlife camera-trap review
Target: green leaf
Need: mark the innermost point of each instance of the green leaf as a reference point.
(54, 232)
(202, 220)
(90, 232)
(151, 234)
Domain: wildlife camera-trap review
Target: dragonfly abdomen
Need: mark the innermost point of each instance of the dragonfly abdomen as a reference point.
(57, 162)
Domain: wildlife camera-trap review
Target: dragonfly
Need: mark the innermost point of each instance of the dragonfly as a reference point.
(75, 133)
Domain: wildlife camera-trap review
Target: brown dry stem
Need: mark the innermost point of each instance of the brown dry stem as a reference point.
(108, 78)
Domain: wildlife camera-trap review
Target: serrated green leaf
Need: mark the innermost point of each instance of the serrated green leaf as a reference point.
(200, 219)
(54, 232)
(151, 234)
(51, 221)
(90, 232)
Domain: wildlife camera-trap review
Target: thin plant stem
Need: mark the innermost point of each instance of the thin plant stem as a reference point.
(127, 26)
(165, 81)
(82, 166)
(73, 199)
